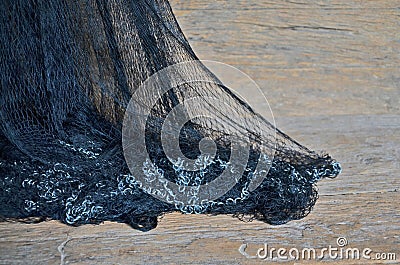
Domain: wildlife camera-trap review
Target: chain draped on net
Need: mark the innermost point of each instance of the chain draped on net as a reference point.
(68, 71)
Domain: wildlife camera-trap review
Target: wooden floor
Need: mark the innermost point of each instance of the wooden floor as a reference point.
(331, 73)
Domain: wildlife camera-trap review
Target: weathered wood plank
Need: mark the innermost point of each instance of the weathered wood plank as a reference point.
(366, 220)
(367, 146)
(362, 205)
(330, 71)
(304, 49)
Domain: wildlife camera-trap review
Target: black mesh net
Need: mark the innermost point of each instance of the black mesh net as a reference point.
(68, 72)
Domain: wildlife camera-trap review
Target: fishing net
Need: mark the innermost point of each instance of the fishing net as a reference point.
(81, 134)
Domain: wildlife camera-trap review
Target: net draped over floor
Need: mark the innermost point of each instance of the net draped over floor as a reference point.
(68, 72)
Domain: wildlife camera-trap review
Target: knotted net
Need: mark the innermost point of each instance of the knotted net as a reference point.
(70, 114)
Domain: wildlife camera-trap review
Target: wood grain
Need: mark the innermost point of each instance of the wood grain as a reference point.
(330, 71)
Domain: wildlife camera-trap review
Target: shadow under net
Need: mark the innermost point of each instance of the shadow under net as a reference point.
(68, 71)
